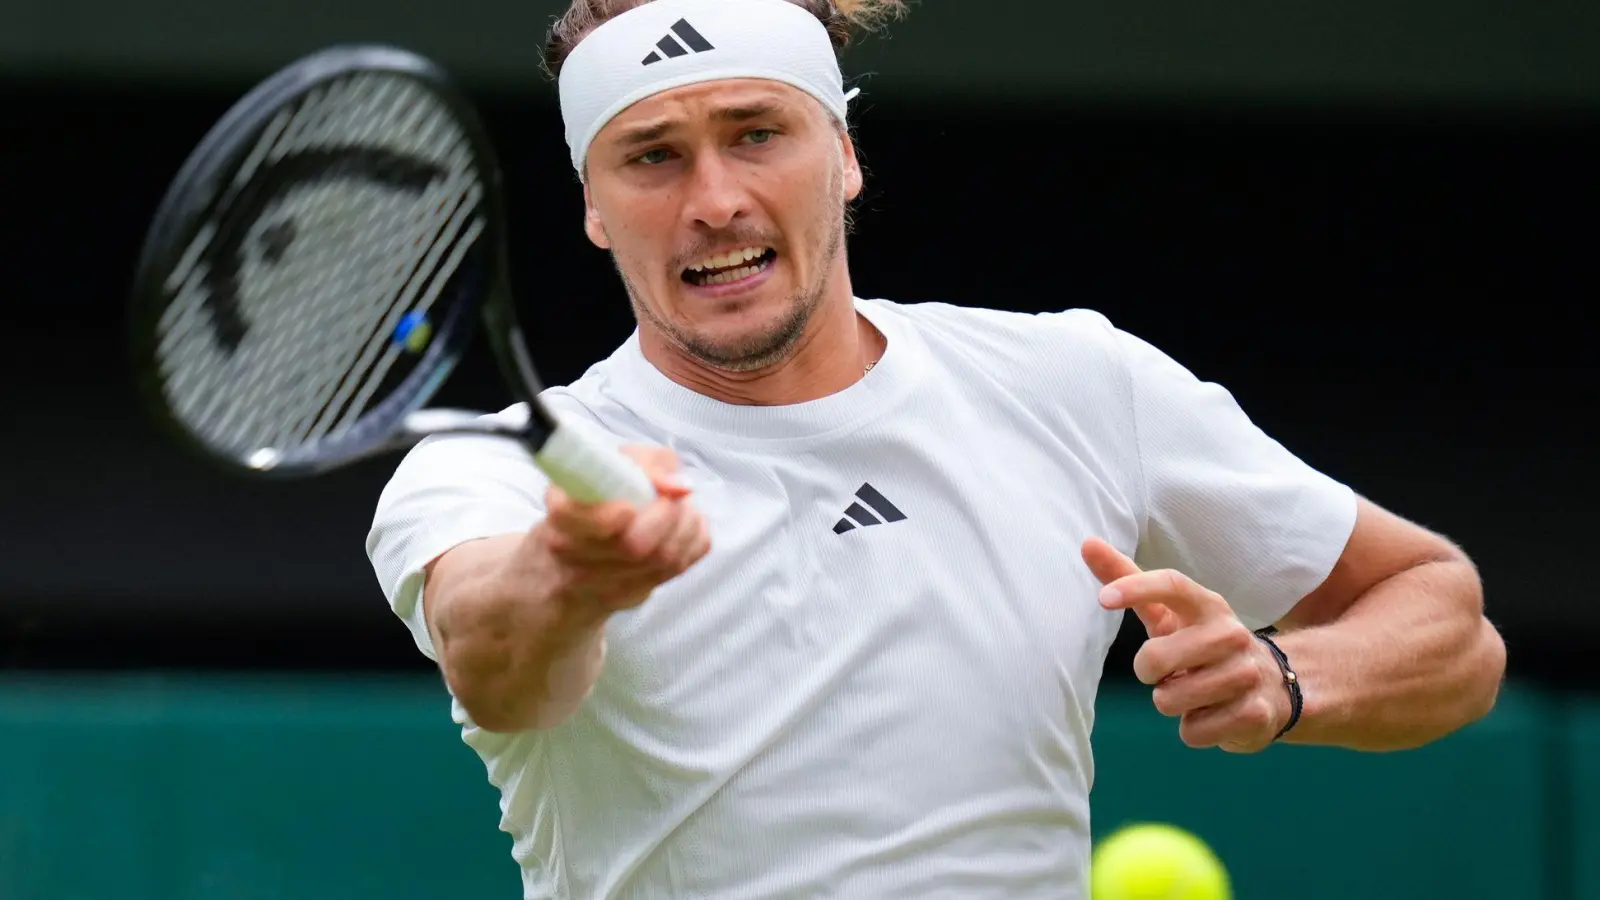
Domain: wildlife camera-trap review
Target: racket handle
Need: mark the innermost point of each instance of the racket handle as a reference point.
(592, 472)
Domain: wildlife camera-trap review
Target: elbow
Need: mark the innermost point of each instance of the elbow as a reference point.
(1476, 690)
(1488, 672)
(492, 714)
(510, 664)
(503, 711)
(1465, 699)
(477, 668)
(497, 716)
(501, 697)
(480, 671)
(1483, 662)
(488, 701)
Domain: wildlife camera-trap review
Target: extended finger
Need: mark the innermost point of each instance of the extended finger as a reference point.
(1213, 685)
(1168, 587)
(1107, 562)
(1193, 647)
(662, 465)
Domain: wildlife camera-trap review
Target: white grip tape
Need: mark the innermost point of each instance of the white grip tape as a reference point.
(592, 472)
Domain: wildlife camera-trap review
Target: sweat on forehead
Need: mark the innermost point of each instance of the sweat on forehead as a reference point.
(666, 44)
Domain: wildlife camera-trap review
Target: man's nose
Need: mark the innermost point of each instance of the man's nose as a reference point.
(716, 197)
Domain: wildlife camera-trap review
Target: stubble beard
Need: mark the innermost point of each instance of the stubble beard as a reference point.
(769, 346)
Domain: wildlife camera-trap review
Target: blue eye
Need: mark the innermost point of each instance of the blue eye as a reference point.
(761, 135)
(652, 157)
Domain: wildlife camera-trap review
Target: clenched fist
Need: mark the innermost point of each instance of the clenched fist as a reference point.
(613, 554)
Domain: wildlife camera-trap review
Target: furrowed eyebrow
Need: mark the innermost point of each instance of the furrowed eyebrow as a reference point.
(744, 113)
(655, 131)
(644, 134)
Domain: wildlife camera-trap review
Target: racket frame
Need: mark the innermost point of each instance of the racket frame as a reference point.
(197, 196)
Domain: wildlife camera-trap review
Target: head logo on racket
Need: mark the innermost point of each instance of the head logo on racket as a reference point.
(316, 268)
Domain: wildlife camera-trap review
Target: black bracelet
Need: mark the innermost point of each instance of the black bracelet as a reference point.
(1291, 681)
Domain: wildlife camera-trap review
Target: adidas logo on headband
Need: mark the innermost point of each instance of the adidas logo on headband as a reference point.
(668, 48)
(776, 40)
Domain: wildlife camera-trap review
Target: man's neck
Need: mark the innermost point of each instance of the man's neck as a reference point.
(838, 346)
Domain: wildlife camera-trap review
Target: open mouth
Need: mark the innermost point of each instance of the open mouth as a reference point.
(725, 268)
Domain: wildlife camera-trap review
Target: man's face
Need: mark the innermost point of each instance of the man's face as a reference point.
(723, 207)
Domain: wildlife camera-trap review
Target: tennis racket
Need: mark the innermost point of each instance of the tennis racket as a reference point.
(318, 266)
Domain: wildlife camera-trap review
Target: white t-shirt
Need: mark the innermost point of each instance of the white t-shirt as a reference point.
(881, 680)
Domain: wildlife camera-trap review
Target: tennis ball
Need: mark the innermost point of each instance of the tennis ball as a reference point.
(1156, 862)
(414, 331)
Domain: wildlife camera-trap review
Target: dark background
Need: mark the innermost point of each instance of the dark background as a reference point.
(1398, 286)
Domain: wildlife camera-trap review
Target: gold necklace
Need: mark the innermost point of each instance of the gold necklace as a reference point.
(874, 361)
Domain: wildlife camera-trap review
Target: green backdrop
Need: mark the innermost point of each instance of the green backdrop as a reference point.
(199, 788)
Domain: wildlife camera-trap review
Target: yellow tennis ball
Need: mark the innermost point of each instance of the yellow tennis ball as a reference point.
(417, 340)
(1157, 862)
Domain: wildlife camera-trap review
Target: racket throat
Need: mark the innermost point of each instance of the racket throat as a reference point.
(424, 423)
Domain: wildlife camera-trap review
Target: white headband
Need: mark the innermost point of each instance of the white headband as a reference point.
(665, 44)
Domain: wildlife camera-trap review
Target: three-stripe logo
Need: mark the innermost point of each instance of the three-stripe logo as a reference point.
(857, 514)
(667, 48)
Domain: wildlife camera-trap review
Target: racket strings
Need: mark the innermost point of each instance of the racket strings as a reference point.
(418, 291)
(318, 335)
(354, 209)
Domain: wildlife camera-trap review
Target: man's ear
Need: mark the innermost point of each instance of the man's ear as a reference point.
(592, 226)
(852, 167)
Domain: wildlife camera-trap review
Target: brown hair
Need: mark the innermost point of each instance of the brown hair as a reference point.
(844, 20)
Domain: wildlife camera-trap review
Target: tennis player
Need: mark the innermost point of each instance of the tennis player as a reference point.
(853, 648)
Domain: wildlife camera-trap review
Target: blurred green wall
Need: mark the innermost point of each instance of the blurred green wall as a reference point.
(201, 788)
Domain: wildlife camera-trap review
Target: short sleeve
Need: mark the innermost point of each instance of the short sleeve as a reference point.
(1223, 502)
(447, 491)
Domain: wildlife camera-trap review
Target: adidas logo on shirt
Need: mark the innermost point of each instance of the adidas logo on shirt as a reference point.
(667, 47)
(858, 514)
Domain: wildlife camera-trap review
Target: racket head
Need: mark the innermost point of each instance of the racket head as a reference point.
(319, 263)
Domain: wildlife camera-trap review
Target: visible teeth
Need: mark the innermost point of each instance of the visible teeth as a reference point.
(733, 275)
(728, 259)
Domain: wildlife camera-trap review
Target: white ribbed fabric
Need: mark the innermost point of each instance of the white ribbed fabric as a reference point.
(902, 710)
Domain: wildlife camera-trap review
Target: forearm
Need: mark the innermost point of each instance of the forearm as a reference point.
(1412, 660)
(515, 652)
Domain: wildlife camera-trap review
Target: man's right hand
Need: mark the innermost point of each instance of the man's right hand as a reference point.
(518, 620)
(610, 556)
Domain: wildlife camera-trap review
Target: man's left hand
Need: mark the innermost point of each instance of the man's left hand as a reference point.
(1208, 670)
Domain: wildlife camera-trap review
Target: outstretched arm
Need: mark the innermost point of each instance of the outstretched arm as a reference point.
(518, 620)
